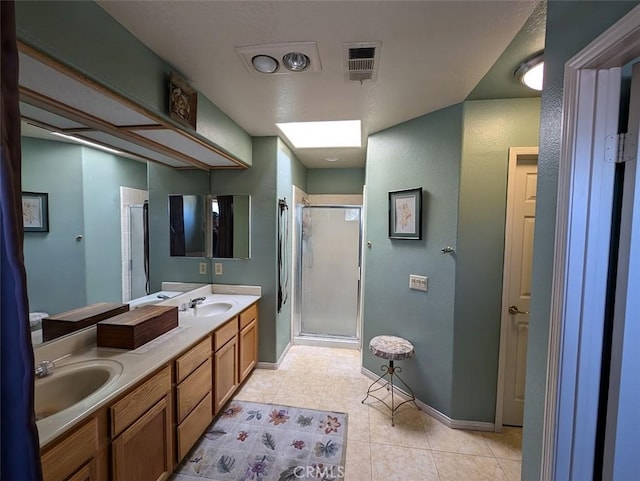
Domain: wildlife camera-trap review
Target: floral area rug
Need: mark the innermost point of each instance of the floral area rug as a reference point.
(250, 441)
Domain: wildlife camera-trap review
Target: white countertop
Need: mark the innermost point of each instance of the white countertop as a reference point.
(138, 363)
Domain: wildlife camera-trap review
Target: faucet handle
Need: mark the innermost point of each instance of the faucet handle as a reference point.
(45, 368)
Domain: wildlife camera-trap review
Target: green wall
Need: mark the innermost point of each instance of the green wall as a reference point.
(163, 181)
(563, 40)
(87, 39)
(459, 156)
(335, 181)
(55, 261)
(103, 175)
(424, 152)
(490, 128)
(84, 199)
(259, 181)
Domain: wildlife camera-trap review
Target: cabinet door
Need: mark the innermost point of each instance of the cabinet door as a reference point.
(225, 373)
(248, 349)
(144, 450)
(86, 473)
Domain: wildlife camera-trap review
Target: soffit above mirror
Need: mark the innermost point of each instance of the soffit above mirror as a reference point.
(56, 98)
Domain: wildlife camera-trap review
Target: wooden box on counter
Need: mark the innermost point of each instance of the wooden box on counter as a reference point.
(135, 328)
(71, 321)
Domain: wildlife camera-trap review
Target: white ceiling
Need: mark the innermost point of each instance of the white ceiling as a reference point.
(433, 54)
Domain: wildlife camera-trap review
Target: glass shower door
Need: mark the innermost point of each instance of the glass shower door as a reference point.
(330, 271)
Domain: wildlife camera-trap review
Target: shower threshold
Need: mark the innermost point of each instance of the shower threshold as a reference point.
(327, 341)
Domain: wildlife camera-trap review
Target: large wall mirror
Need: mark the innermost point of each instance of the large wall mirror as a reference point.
(217, 226)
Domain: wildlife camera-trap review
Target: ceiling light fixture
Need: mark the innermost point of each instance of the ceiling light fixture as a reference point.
(530, 72)
(296, 61)
(331, 159)
(265, 64)
(309, 135)
(86, 142)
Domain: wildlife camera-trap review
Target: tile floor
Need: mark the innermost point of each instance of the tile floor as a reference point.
(418, 448)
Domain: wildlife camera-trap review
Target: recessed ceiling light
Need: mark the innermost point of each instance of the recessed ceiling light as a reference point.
(264, 63)
(296, 61)
(531, 71)
(307, 135)
(86, 142)
(331, 159)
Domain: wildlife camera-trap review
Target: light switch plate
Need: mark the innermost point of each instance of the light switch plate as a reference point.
(203, 268)
(218, 268)
(418, 283)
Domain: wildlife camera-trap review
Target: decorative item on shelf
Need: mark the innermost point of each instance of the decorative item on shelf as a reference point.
(183, 101)
(405, 214)
(35, 211)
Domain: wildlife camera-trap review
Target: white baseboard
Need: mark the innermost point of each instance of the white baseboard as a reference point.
(434, 413)
(274, 365)
(327, 342)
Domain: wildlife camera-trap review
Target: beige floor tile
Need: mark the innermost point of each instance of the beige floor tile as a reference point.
(462, 467)
(443, 438)
(265, 380)
(512, 469)
(254, 395)
(395, 463)
(408, 430)
(297, 400)
(507, 444)
(358, 465)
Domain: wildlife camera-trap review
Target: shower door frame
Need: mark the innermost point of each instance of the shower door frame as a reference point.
(297, 333)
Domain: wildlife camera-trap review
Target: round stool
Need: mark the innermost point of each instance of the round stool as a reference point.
(392, 348)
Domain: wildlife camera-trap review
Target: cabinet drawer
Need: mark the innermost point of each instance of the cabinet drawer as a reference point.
(190, 430)
(191, 391)
(225, 333)
(134, 404)
(187, 363)
(248, 315)
(75, 450)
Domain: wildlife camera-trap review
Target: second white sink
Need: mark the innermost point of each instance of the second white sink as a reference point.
(212, 309)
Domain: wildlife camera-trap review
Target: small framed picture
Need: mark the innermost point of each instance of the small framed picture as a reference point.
(35, 211)
(183, 101)
(405, 214)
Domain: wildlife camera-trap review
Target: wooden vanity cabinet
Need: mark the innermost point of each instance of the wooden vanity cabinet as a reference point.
(247, 341)
(194, 397)
(225, 376)
(80, 455)
(141, 430)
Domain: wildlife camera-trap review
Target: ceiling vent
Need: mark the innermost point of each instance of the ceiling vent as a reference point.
(361, 60)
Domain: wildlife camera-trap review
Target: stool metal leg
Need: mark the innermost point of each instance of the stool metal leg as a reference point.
(391, 371)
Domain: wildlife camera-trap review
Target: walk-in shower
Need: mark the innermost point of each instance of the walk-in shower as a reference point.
(328, 243)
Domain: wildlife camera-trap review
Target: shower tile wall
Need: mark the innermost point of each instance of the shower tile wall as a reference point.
(128, 197)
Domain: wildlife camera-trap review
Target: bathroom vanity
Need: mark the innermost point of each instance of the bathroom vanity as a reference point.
(156, 401)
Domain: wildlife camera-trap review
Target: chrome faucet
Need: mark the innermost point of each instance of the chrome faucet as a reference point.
(198, 300)
(45, 368)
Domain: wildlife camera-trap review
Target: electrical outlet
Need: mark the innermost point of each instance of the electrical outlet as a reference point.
(203, 268)
(218, 268)
(418, 283)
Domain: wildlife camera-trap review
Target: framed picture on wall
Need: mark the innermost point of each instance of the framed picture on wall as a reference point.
(35, 211)
(405, 214)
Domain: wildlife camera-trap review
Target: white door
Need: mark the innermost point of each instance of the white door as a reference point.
(520, 223)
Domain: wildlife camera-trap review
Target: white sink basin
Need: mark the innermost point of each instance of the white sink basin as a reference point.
(212, 309)
(71, 383)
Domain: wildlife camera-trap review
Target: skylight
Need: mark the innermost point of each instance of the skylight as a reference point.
(308, 135)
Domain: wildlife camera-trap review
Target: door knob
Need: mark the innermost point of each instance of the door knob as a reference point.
(514, 310)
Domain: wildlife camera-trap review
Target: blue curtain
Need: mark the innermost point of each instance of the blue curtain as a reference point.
(19, 446)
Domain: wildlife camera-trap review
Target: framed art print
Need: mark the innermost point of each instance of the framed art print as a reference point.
(35, 211)
(405, 214)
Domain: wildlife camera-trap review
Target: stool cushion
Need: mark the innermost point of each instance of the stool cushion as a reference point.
(391, 347)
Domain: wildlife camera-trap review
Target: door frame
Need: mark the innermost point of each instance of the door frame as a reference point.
(296, 332)
(568, 363)
(515, 153)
